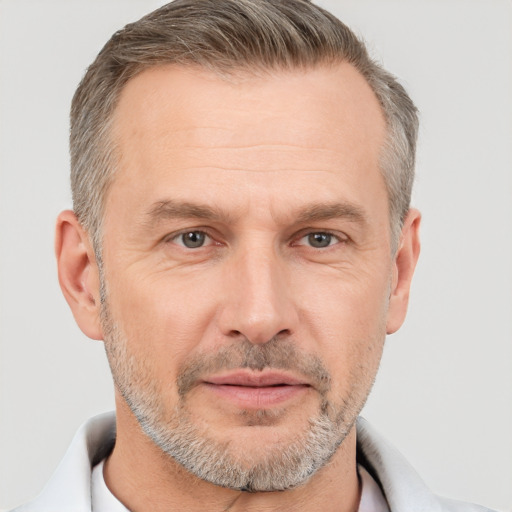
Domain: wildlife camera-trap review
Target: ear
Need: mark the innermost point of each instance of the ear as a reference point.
(78, 274)
(403, 270)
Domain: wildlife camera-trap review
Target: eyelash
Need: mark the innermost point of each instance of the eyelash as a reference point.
(175, 237)
(297, 239)
(339, 238)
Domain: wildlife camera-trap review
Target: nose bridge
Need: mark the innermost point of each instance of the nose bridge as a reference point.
(257, 303)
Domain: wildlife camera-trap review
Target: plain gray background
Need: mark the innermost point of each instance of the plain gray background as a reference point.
(444, 392)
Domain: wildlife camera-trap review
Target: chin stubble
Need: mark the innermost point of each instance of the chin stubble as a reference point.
(193, 445)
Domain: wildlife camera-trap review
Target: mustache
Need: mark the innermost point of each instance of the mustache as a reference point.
(277, 354)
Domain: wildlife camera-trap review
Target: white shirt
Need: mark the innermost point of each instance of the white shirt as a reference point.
(102, 500)
(372, 499)
(69, 490)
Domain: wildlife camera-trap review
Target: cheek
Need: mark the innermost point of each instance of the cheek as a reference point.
(348, 322)
(164, 318)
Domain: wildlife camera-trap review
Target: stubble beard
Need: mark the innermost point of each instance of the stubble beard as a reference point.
(283, 465)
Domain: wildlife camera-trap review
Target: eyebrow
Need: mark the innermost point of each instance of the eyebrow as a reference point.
(170, 209)
(326, 211)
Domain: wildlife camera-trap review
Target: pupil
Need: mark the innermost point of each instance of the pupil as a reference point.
(319, 239)
(193, 239)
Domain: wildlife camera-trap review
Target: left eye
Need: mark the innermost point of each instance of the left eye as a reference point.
(192, 239)
(319, 240)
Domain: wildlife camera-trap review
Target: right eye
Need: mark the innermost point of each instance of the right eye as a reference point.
(192, 239)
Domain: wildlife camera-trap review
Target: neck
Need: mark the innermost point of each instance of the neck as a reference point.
(143, 478)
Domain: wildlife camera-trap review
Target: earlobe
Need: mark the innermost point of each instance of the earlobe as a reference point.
(78, 273)
(404, 265)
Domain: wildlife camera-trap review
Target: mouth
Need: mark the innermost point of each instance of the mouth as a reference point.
(256, 390)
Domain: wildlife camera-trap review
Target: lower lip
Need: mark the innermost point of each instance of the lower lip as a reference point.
(257, 397)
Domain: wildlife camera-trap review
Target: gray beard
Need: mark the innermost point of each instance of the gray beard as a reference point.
(284, 466)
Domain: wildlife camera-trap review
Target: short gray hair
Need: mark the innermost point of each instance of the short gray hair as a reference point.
(228, 36)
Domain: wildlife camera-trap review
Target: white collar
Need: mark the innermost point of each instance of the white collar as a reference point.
(372, 499)
(101, 497)
(69, 490)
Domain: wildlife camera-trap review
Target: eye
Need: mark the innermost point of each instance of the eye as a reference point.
(192, 239)
(319, 239)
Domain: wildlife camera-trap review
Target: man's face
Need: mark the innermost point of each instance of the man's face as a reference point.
(247, 266)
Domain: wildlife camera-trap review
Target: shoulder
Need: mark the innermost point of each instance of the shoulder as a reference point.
(69, 489)
(403, 488)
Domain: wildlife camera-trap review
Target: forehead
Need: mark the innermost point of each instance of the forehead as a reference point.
(179, 129)
(199, 100)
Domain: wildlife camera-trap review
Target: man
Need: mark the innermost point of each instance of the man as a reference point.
(242, 241)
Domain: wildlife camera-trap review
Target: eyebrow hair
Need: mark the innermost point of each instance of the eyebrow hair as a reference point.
(326, 211)
(173, 209)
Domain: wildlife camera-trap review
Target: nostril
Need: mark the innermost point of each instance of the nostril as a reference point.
(235, 334)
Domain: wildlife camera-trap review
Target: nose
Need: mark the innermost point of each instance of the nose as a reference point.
(258, 303)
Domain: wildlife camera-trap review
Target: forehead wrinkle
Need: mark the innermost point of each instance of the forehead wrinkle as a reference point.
(258, 146)
(236, 169)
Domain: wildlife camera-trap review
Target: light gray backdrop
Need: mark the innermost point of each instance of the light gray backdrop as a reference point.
(444, 393)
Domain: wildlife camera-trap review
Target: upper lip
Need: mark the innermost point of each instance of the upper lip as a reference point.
(255, 379)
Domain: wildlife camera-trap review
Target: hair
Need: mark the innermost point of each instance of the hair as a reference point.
(228, 37)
